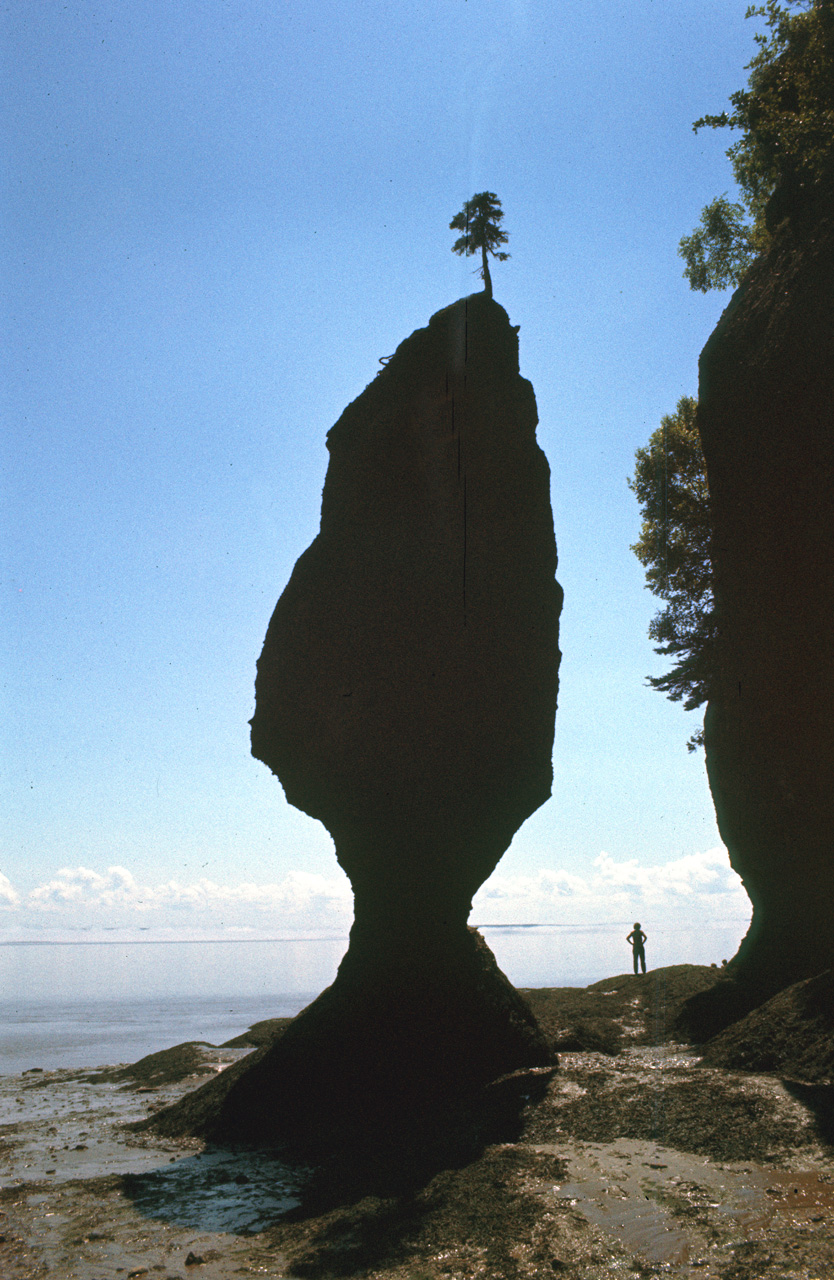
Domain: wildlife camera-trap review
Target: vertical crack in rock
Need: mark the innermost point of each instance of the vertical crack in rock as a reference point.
(406, 697)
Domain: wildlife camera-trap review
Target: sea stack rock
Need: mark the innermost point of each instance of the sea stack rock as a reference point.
(406, 692)
(406, 697)
(766, 417)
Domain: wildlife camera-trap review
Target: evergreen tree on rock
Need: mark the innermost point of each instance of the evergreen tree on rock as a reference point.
(479, 221)
(670, 482)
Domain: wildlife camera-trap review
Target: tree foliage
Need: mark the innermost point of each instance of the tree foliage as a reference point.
(479, 221)
(670, 483)
(720, 248)
(786, 119)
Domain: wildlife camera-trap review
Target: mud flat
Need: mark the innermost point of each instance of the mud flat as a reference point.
(633, 1158)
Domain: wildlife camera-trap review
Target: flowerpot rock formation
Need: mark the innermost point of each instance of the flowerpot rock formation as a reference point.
(406, 697)
(766, 417)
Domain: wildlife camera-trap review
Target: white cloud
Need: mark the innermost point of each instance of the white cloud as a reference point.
(708, 872)
(9, 897)
(79, 898)
(543, 886)
(684, 891)
(76, 887)
(700, 885)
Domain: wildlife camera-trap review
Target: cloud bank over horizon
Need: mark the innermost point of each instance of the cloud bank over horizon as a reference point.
(698, 887)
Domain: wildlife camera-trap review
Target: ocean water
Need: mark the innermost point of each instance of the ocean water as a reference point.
(86, 1004)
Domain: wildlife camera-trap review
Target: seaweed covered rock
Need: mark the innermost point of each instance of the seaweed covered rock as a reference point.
(766, 418)
(792, 1034)
(406, 697)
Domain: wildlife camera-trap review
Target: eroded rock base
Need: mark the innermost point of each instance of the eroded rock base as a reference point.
(396, 1041)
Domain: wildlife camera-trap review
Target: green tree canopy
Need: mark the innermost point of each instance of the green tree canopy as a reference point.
(479, 221)
(720, 248)
(786, 119)
(670, 483)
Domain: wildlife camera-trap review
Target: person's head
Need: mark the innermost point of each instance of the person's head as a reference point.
(637, 924)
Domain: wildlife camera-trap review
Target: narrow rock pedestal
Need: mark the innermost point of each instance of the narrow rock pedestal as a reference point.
(406, 697)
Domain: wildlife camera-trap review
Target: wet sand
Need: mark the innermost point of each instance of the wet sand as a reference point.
(636, 1164)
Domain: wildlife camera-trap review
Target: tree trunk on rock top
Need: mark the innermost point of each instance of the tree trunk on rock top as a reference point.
(485, 272)
(406, 697)
(766, 417)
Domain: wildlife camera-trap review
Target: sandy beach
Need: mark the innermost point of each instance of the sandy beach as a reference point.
(633, 1159)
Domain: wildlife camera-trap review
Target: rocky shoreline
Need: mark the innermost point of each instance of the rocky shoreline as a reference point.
(636, 1156)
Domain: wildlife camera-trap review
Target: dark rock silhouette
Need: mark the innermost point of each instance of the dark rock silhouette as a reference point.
(766, 417)
(792, 1034)
(406, 697)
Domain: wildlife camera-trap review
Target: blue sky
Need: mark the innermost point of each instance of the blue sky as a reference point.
(218, 217)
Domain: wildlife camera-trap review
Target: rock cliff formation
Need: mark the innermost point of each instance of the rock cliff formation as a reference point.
(406, 697)
(766, 417)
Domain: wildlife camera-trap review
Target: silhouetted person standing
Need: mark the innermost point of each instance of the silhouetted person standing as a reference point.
(637, 937)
